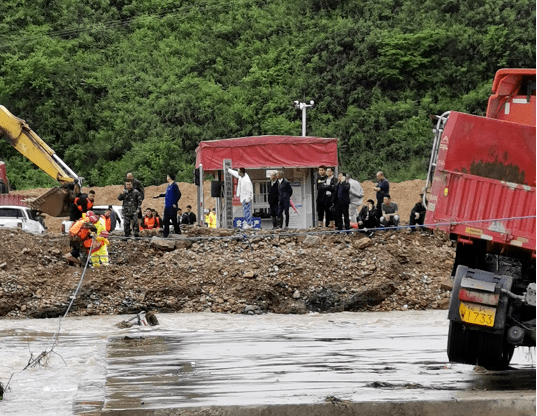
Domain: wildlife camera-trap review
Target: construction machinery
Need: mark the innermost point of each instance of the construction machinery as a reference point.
(482, 193)
(55, 202)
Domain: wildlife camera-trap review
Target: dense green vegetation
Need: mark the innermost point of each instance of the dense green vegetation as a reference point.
(134, 85)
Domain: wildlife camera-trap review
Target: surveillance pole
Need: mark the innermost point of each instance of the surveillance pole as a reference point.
(303, 107)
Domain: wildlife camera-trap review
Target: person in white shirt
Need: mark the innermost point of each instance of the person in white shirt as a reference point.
(356, 194)
(245, 192)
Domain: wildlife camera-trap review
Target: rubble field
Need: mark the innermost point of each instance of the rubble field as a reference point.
(219, 270)
(229, 272)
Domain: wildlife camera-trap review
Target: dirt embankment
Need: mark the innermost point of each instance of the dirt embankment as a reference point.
(405, 194)
(287, 273)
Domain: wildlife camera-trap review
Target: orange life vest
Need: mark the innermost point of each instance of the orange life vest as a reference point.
(89, 204)
(150, 223)
(78, 230)
(107, 223)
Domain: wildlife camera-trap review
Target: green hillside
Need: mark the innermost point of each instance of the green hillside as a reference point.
(117, 85)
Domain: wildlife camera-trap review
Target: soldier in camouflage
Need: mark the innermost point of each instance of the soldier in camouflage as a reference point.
(132, 201)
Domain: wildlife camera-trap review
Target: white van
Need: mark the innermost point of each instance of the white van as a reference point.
(23, 218)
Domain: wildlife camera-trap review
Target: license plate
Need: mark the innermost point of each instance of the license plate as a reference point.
(477, 314)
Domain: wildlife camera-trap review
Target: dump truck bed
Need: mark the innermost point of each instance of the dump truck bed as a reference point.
(484, 182)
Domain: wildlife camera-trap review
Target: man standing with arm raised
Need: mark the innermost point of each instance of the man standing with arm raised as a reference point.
(245, 192)
(171, 199)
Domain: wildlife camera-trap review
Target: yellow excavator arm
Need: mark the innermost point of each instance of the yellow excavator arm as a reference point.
(55, 202)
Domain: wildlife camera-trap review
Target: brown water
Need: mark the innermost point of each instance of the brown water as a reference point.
(213, 359)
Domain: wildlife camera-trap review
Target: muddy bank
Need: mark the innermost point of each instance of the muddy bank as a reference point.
(226, 273)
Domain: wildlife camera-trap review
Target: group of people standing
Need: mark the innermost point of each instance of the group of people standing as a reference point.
(337, 198)
(338, 201)
(279, 197)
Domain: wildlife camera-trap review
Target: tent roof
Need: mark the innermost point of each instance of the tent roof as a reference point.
(268, 152)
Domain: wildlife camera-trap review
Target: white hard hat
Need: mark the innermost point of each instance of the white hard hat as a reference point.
(206, 210)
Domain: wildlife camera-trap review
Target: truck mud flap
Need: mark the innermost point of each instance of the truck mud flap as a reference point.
(481, 298)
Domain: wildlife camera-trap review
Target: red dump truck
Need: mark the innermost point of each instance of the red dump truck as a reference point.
(482, 193)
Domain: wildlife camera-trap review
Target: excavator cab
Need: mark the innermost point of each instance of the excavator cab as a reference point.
(56, 201)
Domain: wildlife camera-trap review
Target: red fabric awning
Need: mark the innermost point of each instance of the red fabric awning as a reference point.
(268, 152)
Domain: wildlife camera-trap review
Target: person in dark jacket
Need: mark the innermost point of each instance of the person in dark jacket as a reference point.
(189, 218)
(81, 204)
(383, 189)
(132, 202)
(273, 199)
(329, 189)
(284, 199)
(342, 202)
(111, 219)
(171, 199)
(136, 184)
(3, 187)
(321, 195)
(368, 216)
(417, 215)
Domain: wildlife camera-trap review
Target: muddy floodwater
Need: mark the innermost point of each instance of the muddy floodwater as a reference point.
(217, 360)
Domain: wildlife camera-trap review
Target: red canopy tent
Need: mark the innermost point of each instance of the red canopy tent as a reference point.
(268, 152)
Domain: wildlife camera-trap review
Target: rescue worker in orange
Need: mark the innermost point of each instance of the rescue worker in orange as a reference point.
(110, 219)
(158, 220)
(80, 236)
(82, 204)
(149, 222)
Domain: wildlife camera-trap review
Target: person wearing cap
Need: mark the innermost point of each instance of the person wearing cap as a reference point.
(368, 217)
(132, 201)
(81, 234)
(417, 215)
(245, 192)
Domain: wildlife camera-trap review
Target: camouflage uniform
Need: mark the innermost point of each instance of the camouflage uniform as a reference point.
(132, 201)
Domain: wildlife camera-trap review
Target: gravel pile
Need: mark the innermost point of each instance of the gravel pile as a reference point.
(223, 272)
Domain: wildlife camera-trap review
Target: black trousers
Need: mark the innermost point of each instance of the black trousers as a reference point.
(274, 214)
(170, 214)
(283, 207)
(413, 221)
(370, 223)
(320, 211)
(342, 216)
(328, 216)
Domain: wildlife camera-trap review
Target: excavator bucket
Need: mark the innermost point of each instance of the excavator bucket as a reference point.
(56, 202)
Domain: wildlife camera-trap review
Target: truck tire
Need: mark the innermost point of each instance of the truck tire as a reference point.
(494, 353)
(461, 346)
